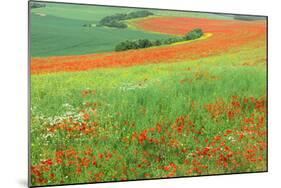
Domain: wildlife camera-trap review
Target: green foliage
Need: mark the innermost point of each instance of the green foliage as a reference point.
(135, 44)
(116, 24)
(126, 45)
(173, 40)
(138, 14)
(156, 43)
(37, 5)
(194, 34)
(146, 43)
(115, 20)
(248, 18)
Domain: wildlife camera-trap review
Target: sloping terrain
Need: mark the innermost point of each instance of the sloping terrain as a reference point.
(226, 35)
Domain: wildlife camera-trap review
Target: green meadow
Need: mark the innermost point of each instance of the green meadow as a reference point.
(126, 101)
(51, 91)
(188, 118)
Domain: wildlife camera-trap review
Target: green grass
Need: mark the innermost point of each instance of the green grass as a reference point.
(80, 12)
(95, 13)
(60, 32)
(161, 75)
(131, 100)
(52, 36)
(193, 14)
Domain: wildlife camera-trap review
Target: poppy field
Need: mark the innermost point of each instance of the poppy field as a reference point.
(190, 108)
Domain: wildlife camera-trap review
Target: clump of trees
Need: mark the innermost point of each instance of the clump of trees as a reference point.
(248, 18)
(37, 5)
(115, 20)
(138, 14)
(136, 44)
(194, 34)
(146, 43)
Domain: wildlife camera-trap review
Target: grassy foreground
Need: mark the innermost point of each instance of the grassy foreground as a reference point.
(190, 118)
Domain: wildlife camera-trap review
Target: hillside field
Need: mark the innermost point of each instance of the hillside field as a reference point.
(191, 108)
(57, 29)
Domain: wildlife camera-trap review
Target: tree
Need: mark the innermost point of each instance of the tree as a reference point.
(115, 20)
(144, 43)
(157, 43)
(37, 5)
(194, 34)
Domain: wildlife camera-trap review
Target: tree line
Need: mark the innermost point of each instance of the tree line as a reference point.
(248, 18)
(115, 20)
(37, 5)
(146, 43)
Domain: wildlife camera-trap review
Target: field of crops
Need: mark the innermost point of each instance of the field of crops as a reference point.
(57, 29)
(187, 109)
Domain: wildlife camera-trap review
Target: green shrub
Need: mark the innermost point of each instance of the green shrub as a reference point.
(139, 14)
(126, 45)
(115, 20)
(173, 40)
(156, 43)
(37, 5)
(145, 43)
(248, 18)
(194, 34)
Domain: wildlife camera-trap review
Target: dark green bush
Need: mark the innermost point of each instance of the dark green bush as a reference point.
(145, 43)
(139, 14)
(194, 34)
(156, 43)
(115, 24)
(115, 20)
(126, 45)
(112, 18)
(173, 40)
(37, 5)
(248, 18)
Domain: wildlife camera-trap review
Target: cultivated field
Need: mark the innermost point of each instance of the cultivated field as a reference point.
(190, 108)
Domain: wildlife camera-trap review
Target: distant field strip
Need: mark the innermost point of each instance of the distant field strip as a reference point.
(227, 35)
